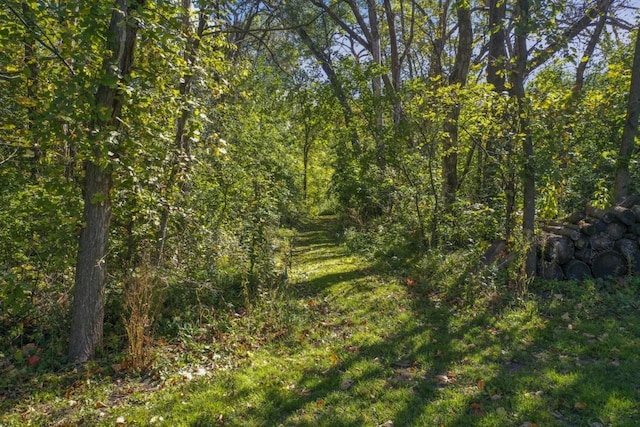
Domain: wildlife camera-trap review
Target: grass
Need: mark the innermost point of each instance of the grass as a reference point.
(344, 344)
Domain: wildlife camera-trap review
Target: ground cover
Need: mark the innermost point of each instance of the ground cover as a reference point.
(346, 344)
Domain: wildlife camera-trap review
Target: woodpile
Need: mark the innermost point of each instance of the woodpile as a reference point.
(592, 243)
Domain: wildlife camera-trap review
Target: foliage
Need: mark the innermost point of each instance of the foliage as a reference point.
(345, 343)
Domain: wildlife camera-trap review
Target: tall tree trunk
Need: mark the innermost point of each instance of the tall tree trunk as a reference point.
(457, 79)
(496, 76)
(528, 173)
(181, 160)
(627, 145)
(91, 266)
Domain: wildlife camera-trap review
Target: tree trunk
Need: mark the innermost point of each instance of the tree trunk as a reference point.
(627, 145)
(458, 78)
(181, 160)
(91, 266)
(496, 72)
(529, 184)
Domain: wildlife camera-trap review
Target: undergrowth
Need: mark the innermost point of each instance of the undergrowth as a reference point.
(342, 342)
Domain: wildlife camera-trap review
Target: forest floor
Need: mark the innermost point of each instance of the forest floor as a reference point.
(345, 344)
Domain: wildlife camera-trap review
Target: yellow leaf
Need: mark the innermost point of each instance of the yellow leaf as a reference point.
(26, 102)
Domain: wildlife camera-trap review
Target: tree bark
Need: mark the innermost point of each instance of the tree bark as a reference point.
(529, 184)
(457, 79)
(627, 145)
(181, 160)
(91, 266)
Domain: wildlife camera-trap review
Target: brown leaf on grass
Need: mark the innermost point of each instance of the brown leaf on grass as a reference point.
(33, 360)
(334, 359)
(320, 403)
(481, 384)
(580, 405)
(477, 408)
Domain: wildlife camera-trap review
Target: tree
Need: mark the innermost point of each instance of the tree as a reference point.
(91, 266)
(627, 145)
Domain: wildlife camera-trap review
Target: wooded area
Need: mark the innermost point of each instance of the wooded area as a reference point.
(150, 151)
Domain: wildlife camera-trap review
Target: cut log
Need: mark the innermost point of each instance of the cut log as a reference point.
(587, 228)
(577, 270)
(608, 263)
(563, 224)
(582, 242)
(635, 263)
(562, 231)
(624, 215)
(616, 230)
(599, 224)
(550, 270)
(635, 229)
(627, 247)
(606, 216)
(601, 242)
(629, 201)
(584, 255)
(558, 248)
(575, 217)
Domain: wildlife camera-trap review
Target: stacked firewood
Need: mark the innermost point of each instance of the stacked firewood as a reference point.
(592, 243)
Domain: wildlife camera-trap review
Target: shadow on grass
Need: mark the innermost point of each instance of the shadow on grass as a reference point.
(565, 360)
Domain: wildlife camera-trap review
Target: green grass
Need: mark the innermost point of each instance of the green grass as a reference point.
(345, 345)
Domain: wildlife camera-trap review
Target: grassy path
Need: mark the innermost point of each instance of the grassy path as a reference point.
(356, 348)
(344, 345)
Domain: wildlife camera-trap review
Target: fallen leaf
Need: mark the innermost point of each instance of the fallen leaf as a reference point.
(481, 384)
(120, 421)
(320, 403)
(334, 359)
(100, 405)
(580, 405)
(477, 408)
(33, 360)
